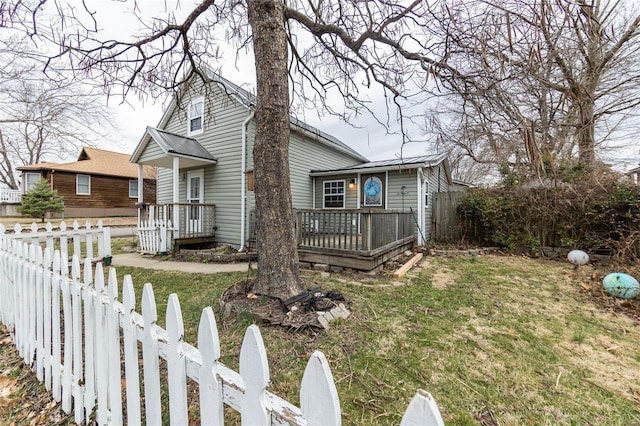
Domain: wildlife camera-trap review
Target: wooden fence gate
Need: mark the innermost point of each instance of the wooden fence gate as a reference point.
(73, 330)
(445, 222)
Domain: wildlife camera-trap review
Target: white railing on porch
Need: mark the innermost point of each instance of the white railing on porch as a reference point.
(80, 239)
(10, 196)
(81, 365)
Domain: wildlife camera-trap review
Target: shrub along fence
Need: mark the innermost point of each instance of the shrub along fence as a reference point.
(79, 338)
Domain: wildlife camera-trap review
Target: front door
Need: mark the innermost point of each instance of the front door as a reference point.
(195, 195)
(373, 190)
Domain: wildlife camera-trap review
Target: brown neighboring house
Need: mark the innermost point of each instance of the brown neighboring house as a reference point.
(99, 184)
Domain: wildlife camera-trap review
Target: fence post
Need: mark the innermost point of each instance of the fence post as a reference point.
(101, 348)
(132, 375)
(176, 366)
(68, 336)
(422, 411)
(89, 240)
(30, 311)
(211, 408)
(100, 237)
(319, 400)
(39, 314)
(64, 245)
(254, 370)
(89, 341)
(113, 343)
(47, 285)
(76, 237)
(56, 348)
(151, 365)
(76, 303)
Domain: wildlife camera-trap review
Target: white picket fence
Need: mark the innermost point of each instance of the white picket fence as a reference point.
(77, 237)
(154, 236)
(81, 364)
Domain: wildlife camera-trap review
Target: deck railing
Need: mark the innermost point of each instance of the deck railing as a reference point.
(354, 230)
(194, 219)
(10, 196)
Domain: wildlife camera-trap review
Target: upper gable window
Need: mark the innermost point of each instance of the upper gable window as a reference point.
(195, 122)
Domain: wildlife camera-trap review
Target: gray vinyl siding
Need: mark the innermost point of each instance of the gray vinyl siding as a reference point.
(222, 137)
(151, 152)
(164, 187)
(396, 180)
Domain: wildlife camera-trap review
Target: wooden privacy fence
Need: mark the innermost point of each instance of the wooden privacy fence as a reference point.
(77, 336)
(446, 225)
(78, 238)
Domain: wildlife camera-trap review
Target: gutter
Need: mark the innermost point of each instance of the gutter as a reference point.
(243, 180)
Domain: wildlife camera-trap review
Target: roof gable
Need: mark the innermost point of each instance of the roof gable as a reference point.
(248, 100)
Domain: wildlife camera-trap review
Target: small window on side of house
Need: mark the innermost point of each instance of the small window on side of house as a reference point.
(195, 119)
(133, 188)
(83, 185)
(426, 193)
(333, 194)
(30, 180)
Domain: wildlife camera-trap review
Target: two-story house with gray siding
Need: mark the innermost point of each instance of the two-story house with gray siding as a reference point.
(203, 148)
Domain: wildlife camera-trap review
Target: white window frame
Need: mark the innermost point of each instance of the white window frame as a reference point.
(190, 117)
(26, 186)
(133, 182)
(78, 184)
(326, 194)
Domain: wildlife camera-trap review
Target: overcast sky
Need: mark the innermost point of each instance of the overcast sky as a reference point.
(365, 135)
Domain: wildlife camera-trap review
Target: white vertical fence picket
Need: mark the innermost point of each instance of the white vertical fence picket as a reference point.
(83, 372)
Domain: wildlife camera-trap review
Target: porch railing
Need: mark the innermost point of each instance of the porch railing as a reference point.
(353, 230)
(158, 227)
(10, 196)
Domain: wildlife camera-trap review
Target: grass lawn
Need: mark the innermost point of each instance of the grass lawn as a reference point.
(508, 339)
(496, 340)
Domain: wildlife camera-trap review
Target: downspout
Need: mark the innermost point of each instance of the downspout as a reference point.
(243, 179)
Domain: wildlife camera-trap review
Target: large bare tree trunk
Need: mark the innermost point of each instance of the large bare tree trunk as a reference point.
(278, 270)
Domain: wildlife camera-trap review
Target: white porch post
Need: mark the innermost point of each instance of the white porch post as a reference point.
(140, 186)
(176, 194)
(140, 182)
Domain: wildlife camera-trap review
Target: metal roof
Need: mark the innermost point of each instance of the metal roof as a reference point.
(396, 163)
(180, 145)
(249, 100)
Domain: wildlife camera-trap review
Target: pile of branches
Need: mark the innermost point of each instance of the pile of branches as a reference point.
(598, 213)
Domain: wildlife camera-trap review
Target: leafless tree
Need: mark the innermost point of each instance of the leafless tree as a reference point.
(42, 119)
(536, 83)
(314, 50)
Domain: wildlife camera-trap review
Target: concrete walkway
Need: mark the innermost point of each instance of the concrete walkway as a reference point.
(139, 261)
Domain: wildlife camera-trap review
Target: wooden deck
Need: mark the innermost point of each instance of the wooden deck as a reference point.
(357, 239)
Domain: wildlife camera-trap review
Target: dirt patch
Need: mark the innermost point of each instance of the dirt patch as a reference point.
(300, 314)
(223, 254)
